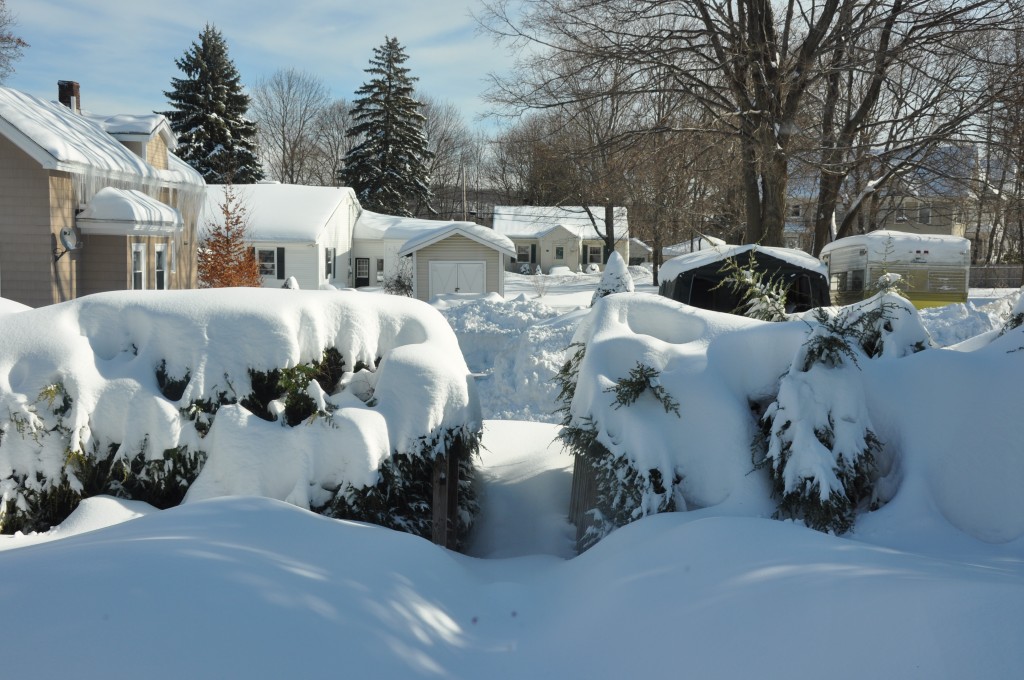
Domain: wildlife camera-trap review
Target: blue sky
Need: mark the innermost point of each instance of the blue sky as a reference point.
(122, 52)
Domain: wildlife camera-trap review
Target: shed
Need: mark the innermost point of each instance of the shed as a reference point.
(695, 278)
(457, 257)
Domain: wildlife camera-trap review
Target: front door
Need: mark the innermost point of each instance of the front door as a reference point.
(362, 271)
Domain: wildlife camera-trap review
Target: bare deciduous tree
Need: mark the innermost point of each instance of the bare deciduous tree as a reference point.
(10, 44)
(755, 66)
(287, 107)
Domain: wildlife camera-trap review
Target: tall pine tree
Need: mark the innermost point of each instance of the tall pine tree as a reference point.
(387, 167)
(208, 115)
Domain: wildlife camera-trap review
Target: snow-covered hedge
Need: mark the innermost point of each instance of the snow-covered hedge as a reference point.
(845, 411)
(332, 400)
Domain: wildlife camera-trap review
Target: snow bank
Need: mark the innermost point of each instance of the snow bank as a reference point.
(516, 347)
(143, 373)
(947, 420)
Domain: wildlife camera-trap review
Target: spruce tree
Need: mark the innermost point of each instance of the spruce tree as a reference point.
(387, 167)
(208, 116)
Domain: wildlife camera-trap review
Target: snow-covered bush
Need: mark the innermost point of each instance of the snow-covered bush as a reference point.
(616, 279)
(157, 397)
(655, 407)
(816, 438)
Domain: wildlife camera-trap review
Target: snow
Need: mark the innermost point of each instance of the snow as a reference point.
(469, 230)
(896, 246)
(375, 226)
(526, 221)
(72, 142)
(103, 352)
(929, 585)
(687, 262)
(127, 211)
(282, 212)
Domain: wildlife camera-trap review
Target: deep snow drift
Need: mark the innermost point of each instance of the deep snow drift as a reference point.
(930, 585)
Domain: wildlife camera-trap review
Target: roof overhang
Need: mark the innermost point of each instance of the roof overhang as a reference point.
(418, 243)
(127, 212)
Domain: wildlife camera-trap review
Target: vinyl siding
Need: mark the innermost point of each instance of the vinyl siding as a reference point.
(458, 248)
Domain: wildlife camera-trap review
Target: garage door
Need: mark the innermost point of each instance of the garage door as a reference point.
(457, 277)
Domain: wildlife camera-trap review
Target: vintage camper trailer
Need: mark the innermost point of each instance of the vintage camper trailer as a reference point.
(695, 278)
(935, 268)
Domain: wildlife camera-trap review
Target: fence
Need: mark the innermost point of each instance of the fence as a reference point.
(997, 276)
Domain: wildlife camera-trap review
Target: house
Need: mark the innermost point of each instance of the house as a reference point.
(297, 231)
(559, 236)
(933, 195)
(321, 236)
(91, 203)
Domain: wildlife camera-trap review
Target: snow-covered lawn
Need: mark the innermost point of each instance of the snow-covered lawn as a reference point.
(256, 588)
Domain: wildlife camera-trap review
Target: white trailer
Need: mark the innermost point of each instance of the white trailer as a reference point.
(934, 268)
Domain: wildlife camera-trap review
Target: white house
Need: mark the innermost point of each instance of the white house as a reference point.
(297, 231)
(322, 236)
(560, 236)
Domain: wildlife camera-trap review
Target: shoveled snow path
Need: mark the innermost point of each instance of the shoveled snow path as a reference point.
(524, 480)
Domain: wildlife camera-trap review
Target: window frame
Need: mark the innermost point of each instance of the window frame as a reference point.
(140, 250)
(158, 250)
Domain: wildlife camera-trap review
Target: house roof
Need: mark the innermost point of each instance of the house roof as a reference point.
(684, 263)
(530, 221)
(126, 212)
(129, 127)
(702, 242)
(281, 212)
(472, 231)
(375, 226)
(899, 246)
(59, 139)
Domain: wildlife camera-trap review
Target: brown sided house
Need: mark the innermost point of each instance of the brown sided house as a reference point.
(89, 203)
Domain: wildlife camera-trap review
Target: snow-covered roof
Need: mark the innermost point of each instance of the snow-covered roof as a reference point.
(131, 127)
(700, 243)
(640, 245)
(532, 221)
(898, 245)
(116, 212)
(472, 231)
(281, 212)
(375, 226)
(690, 261)
(59, 139)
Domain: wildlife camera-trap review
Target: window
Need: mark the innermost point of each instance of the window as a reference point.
(523, 254)
(268, 262)
(160, 266)
(794, 210)
(924, 214)
(380, 265)
(901, 214)
(594, 254)
(857, 280)
(559, 252)
(329, 257)
(138, 266)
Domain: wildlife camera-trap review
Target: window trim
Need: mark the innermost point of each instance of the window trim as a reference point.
(269, 268)
(139, 248)
(157, 250)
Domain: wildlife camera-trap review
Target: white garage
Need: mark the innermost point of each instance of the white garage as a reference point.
(458, 257)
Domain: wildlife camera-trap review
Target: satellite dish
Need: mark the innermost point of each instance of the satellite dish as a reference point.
(69, 239)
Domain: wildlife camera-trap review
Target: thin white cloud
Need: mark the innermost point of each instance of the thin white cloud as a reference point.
(123, 51)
